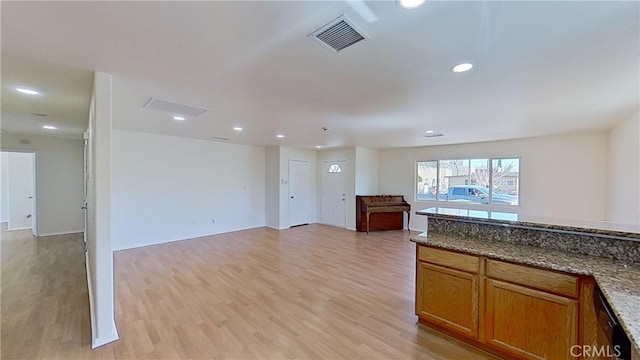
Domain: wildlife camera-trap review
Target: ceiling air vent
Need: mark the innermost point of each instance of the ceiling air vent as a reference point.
(338, 34)
(174, 107)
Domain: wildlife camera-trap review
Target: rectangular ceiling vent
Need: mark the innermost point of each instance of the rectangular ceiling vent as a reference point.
(174, 107)
(338, 34)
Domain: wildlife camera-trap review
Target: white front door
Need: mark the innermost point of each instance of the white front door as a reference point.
(299, 192)
(334, 193)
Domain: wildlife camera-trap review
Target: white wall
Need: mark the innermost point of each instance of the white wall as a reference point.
(59, 181)
(168, 188)
(272, 178)
(99, 255)
(366, 171)
(4, 187)
(21, 190)
(623, 185)
(348, 154)
(561, 176)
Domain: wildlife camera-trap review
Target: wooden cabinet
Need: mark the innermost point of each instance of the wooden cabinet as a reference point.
(448, 298)
(514, 310)
(448, 290)
(530, 323)
(531, 312)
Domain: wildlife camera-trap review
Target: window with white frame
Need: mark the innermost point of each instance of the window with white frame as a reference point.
(334, 168)
(475, 181)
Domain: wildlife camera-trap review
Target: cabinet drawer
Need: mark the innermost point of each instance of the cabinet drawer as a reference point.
(546, 280)
(449, 259)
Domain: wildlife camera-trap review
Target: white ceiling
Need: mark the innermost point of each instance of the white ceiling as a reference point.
(540, 68)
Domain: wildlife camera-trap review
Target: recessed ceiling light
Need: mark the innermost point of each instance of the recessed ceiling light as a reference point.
(49, 127)
(411, 4)
(429, 131)
(179, 118)
(27, 91)
(280, 136)
(433, 135)
(462, 67)
(318, 146)
(237, 128)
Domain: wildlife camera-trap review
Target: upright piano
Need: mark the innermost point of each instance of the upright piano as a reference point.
(381, 212)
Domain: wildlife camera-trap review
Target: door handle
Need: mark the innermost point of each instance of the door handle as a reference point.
(84, 208)
(292, 197)
(30, 197)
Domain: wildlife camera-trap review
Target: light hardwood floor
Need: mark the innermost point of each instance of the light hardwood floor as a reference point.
(44, 302)
(309, 292)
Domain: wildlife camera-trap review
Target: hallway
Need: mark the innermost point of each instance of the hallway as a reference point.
(45, 306)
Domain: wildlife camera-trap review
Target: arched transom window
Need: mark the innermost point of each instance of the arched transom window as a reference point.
(335, 168)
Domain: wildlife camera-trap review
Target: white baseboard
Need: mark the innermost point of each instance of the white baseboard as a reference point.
(165, 241)
(102, 340)
(61, 233)
(90, 291)
(105, 339)
(280, 228)
(20, 228)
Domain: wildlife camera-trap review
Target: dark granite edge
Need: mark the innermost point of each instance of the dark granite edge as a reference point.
(624, 250)
(601, 280)
(512, 258)
(613, 234)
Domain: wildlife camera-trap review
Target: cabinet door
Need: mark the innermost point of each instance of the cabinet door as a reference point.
(530, 323)
(448, 298)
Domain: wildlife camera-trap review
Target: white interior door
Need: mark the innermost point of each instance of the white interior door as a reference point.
(299, 192)
(334, 193)
(34, 194)
(4, 182)
(21, 179)
(85, 183)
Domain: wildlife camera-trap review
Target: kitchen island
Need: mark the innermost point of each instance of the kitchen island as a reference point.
(498, 270)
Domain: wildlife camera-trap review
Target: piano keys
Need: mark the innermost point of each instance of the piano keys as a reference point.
(381, 212)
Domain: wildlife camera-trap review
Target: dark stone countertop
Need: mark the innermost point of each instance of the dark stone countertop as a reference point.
(595, 228)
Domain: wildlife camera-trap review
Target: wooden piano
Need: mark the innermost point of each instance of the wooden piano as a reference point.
(381, 212)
